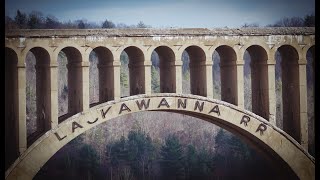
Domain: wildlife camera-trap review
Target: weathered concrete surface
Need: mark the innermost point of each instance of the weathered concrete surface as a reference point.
(231, 44)
(163, 32)
(246, 123)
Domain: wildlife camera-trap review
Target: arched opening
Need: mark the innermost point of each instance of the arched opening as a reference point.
(11, 107)
(136, 70)
(38, 93)
(310, 100)
(256, 60)
(198, 80)
(101, 75)
(228, 74)
(70, 82)
(287, 68)
(163, 60)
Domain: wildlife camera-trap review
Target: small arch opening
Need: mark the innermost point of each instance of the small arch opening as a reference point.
(226, 58)
(310, 98)
(38, 87)
(256, 95)
(133, 60)
(288, 91)
(70, 82)
(163, 70)
(197, 69)
(101, 76)
(11, 108)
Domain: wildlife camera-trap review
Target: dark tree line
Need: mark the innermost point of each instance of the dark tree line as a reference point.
(36, 20)
(306, 21)
(137, 156)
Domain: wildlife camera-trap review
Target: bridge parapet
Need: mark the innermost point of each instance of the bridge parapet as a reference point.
(149, 32)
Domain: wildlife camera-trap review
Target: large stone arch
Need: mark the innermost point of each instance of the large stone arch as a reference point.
(249, 125)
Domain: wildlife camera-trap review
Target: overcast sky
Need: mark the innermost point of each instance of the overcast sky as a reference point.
(168, 13)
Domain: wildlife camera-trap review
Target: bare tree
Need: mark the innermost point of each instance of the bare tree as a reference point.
(309, 20)
(52, 22)
(36, 20)
(250, 25)
(289, 22)
(108, 24)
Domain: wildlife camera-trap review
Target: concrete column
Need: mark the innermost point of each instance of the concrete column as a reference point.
(167, 76)
(147, 76)
(240, 82)
(54, 94)
(178, 72)
(22, 106)
(303, 103)
(116, 80)
(272, 92)
(209, 82)
(85, 85)
(106, 82)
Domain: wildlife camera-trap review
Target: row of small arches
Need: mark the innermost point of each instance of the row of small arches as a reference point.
(198, 82)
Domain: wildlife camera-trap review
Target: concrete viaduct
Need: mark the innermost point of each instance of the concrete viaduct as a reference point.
(258, 127)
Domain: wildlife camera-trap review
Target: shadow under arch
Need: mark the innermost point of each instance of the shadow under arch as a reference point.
(259, 80)
(228, 73)
(42, 91)
(310, 74)
(137, 76)
(74, 77)
(198, 79)
(290, 76)
(105, 73)
(244, 123)
(11, 106)
(167, 69)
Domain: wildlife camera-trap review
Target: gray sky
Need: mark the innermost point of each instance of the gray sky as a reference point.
(168, 13)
